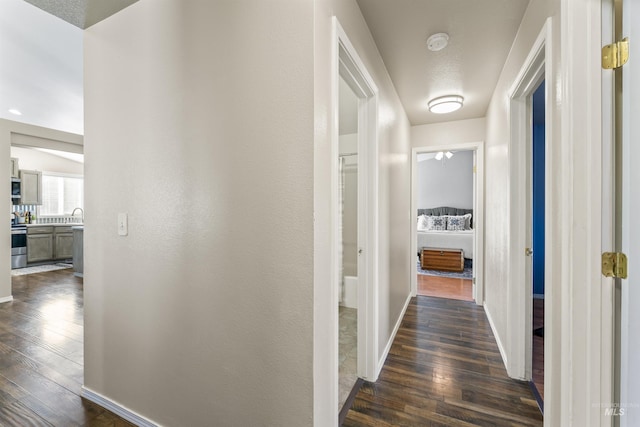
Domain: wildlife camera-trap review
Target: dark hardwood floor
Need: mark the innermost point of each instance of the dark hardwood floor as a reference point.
(41, 355)
(444, 369)
(445, 287)
(538, 347)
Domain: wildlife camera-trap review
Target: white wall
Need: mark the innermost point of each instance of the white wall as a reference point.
(199, 125)
(38, 160)
(449, 133)
(498, 176)
(446, 184)
(394, 259)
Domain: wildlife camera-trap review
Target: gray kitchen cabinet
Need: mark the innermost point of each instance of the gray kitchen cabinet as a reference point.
(39, 247)
(30, 187)
(62, 243)
(78, 255)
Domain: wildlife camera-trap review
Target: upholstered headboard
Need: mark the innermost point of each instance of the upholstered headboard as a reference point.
(444, 210)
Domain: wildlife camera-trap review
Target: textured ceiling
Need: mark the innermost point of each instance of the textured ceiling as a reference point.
(480, 36)
(82, 13)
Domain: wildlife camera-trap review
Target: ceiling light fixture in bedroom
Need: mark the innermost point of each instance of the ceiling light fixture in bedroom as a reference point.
(440, 155)
(446, 104)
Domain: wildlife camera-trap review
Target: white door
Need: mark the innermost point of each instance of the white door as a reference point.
(630, 196)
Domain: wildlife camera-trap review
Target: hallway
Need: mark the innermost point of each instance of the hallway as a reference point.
(444, 368)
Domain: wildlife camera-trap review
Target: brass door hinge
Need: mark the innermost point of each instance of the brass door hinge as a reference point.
(615, 55)
(614, 264)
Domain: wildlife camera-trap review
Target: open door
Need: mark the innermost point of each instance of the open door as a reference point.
(628, 231)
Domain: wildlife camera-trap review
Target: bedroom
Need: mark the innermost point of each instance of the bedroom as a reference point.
(445, 237)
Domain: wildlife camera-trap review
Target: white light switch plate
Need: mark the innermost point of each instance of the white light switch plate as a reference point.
(123, 226)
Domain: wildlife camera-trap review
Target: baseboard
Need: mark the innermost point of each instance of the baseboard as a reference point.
(117, 408)
(503, 353)
(387, 348)
(538, 296)
(6, 299)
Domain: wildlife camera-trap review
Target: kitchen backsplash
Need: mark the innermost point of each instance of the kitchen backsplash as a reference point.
(50, 219)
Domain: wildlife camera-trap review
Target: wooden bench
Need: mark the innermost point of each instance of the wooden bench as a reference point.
(442, 259)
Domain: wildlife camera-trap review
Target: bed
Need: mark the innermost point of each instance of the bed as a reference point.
(445, 238)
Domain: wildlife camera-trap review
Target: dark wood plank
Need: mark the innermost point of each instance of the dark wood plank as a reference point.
(444, 369)
(41, 355)
(538, 347)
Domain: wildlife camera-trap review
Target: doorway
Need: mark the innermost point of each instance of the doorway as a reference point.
(444, 232)
(473, 238)
(348, 246)
(354, 180)
(538, 240)
(48, 207)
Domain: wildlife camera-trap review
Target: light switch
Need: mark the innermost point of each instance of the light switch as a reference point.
(123, 227)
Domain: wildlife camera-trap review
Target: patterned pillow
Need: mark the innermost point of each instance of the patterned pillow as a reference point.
(436, 223)
(456, 223)
(422, 222)
(467, 221)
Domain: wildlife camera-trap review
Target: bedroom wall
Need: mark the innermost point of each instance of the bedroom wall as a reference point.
(538, 202)
(203, 314)
(448, 184)
(394, 154)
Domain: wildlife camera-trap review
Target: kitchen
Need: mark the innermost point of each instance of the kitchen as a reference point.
(47, 216)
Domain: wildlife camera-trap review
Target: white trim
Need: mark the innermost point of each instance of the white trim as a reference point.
(6, 299)
(520, 296)
(347, 63)
(387, 348)
(585, 305)
(63, 174)
(478, 213)
(344, 61)
(117, 408)
(501, 347)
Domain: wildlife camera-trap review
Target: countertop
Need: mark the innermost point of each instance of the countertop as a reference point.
(74, 224)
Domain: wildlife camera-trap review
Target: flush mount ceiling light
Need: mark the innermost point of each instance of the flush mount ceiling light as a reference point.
(445, 104)
(437, 41)
(15, 111)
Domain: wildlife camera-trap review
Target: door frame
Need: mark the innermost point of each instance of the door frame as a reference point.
(348, 65)
(478, 212)
(532, 73)
(351, 68)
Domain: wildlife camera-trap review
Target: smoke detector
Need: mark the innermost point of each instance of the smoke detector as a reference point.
(437, 41)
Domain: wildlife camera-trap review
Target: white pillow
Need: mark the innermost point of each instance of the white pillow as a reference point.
(422, 222)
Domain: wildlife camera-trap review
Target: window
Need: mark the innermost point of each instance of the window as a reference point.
(61, 194)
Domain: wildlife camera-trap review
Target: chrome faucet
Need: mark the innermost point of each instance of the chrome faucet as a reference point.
(81, 212)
